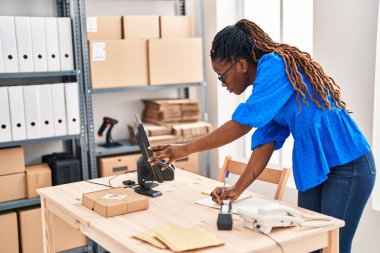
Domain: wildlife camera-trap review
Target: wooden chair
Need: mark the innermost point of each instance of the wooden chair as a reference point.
(279, 177)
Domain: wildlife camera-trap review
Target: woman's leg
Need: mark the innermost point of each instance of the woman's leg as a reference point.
(345, 194)
(311, 200)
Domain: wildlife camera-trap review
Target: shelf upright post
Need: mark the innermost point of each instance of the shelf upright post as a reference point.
(87, 91)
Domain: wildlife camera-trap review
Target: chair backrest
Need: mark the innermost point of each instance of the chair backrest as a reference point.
(274, 176)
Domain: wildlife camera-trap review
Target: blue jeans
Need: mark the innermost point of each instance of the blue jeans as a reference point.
(343, 195)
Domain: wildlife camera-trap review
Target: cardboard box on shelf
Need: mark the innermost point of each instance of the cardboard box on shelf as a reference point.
(189, 163)
(175, 61)
(11, 160)
(114, 165)
(13, 187)
(8, 232)
(37, 176)
(104, 28)
(118, 63)
(115, 201)
(175, 27)
(191, 131)
(66, 237)
(144, 27)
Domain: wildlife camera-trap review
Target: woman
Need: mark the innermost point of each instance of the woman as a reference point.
(333, 165)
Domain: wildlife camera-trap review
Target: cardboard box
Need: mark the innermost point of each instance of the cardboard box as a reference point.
(115, 201)
(8, 232)
(143, 27)
(13, 187)
(37, 176)
(118, 63)
(104, 28)
(174, 61)
(175, 27)
(189, 163)
(66, 237)
(109, 166)
(11, 160)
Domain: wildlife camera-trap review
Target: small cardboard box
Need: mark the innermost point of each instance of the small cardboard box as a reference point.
(189, 163)
(104, 28)
(115, 201)
(11, 161)
(174, 61)
(109, 166)
(175, 27)
(118, 63)
(8, 232)
(143, 27)
(37, 176)
(66, 237)
(13, 187)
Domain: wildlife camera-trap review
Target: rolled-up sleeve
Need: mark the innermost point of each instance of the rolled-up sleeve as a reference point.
(272, 132)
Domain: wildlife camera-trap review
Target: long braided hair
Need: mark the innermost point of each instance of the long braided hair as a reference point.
(247, 40)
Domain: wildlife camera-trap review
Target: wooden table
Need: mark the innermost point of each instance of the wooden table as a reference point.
(177, 205)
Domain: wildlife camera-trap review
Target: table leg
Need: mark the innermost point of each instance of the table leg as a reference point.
(333, 246)
(47, 227)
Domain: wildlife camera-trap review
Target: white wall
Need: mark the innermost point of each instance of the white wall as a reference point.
(345, 43)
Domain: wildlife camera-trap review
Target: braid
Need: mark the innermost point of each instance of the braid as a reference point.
(228, 44)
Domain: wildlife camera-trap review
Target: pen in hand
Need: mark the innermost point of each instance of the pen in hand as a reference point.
(224, 184)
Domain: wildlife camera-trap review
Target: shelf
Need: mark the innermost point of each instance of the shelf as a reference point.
(146, 87)
(4, 206)
(78, 250)
(127, 147)
(23, 142)
(37, 74)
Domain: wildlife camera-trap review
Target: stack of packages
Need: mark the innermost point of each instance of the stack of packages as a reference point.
(172, 121)
(170, 111)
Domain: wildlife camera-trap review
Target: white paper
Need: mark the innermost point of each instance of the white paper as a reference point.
(92, 25)
(246, 202)
(115, 196)
(99, 51)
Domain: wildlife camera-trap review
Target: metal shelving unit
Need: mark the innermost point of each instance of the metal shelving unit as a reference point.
(93, 148)
(76, 144)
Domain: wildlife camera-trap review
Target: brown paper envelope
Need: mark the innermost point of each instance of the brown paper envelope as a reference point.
(179, 238)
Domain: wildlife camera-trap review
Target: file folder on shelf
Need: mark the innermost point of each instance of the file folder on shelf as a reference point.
(32, 119)
(24, 44)
(59, 110)
(16, 108)
(5, 120)
(65, 44)
(52, 44)
(45, 109)
(8, 44)
(1, 59)
(72, 108)
(37, 30)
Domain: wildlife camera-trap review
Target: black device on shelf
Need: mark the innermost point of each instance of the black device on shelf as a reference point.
(147, 173)
(108, 122)
(64, 168)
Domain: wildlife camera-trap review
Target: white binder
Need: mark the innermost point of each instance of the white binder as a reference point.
(8, 44)
(32, 119)
(16, 108)
(1, 58)
(52, 45)
(24, 44)
(5, 119)
(45, 110)
(72, 108)
(37, 30)
(65, 44)
(59, 110)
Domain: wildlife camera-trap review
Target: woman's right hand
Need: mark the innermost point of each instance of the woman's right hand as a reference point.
(170, 153)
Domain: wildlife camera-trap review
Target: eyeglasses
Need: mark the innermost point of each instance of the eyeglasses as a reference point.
(222, 78)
